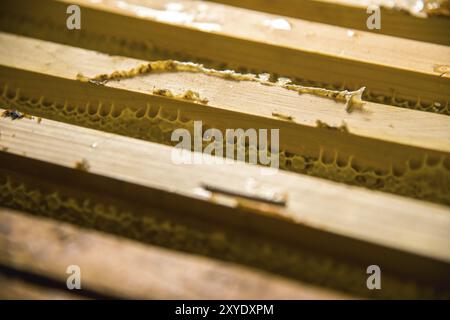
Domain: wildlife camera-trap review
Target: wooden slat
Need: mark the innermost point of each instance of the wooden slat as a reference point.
(353, 14)
(120, 268)
(392, 69)
(404, 149)
(344, 221)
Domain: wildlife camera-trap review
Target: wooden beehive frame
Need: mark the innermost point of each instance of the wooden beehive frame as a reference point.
(69, 151)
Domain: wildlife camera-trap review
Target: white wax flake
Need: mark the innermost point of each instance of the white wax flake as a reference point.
(418, 6)
(283, 81)
(278, 24)
(202, 193)
(264, 76)
(207, 26)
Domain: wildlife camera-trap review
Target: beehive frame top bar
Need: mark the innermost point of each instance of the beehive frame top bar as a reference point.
(284, 32)
(179, 275)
